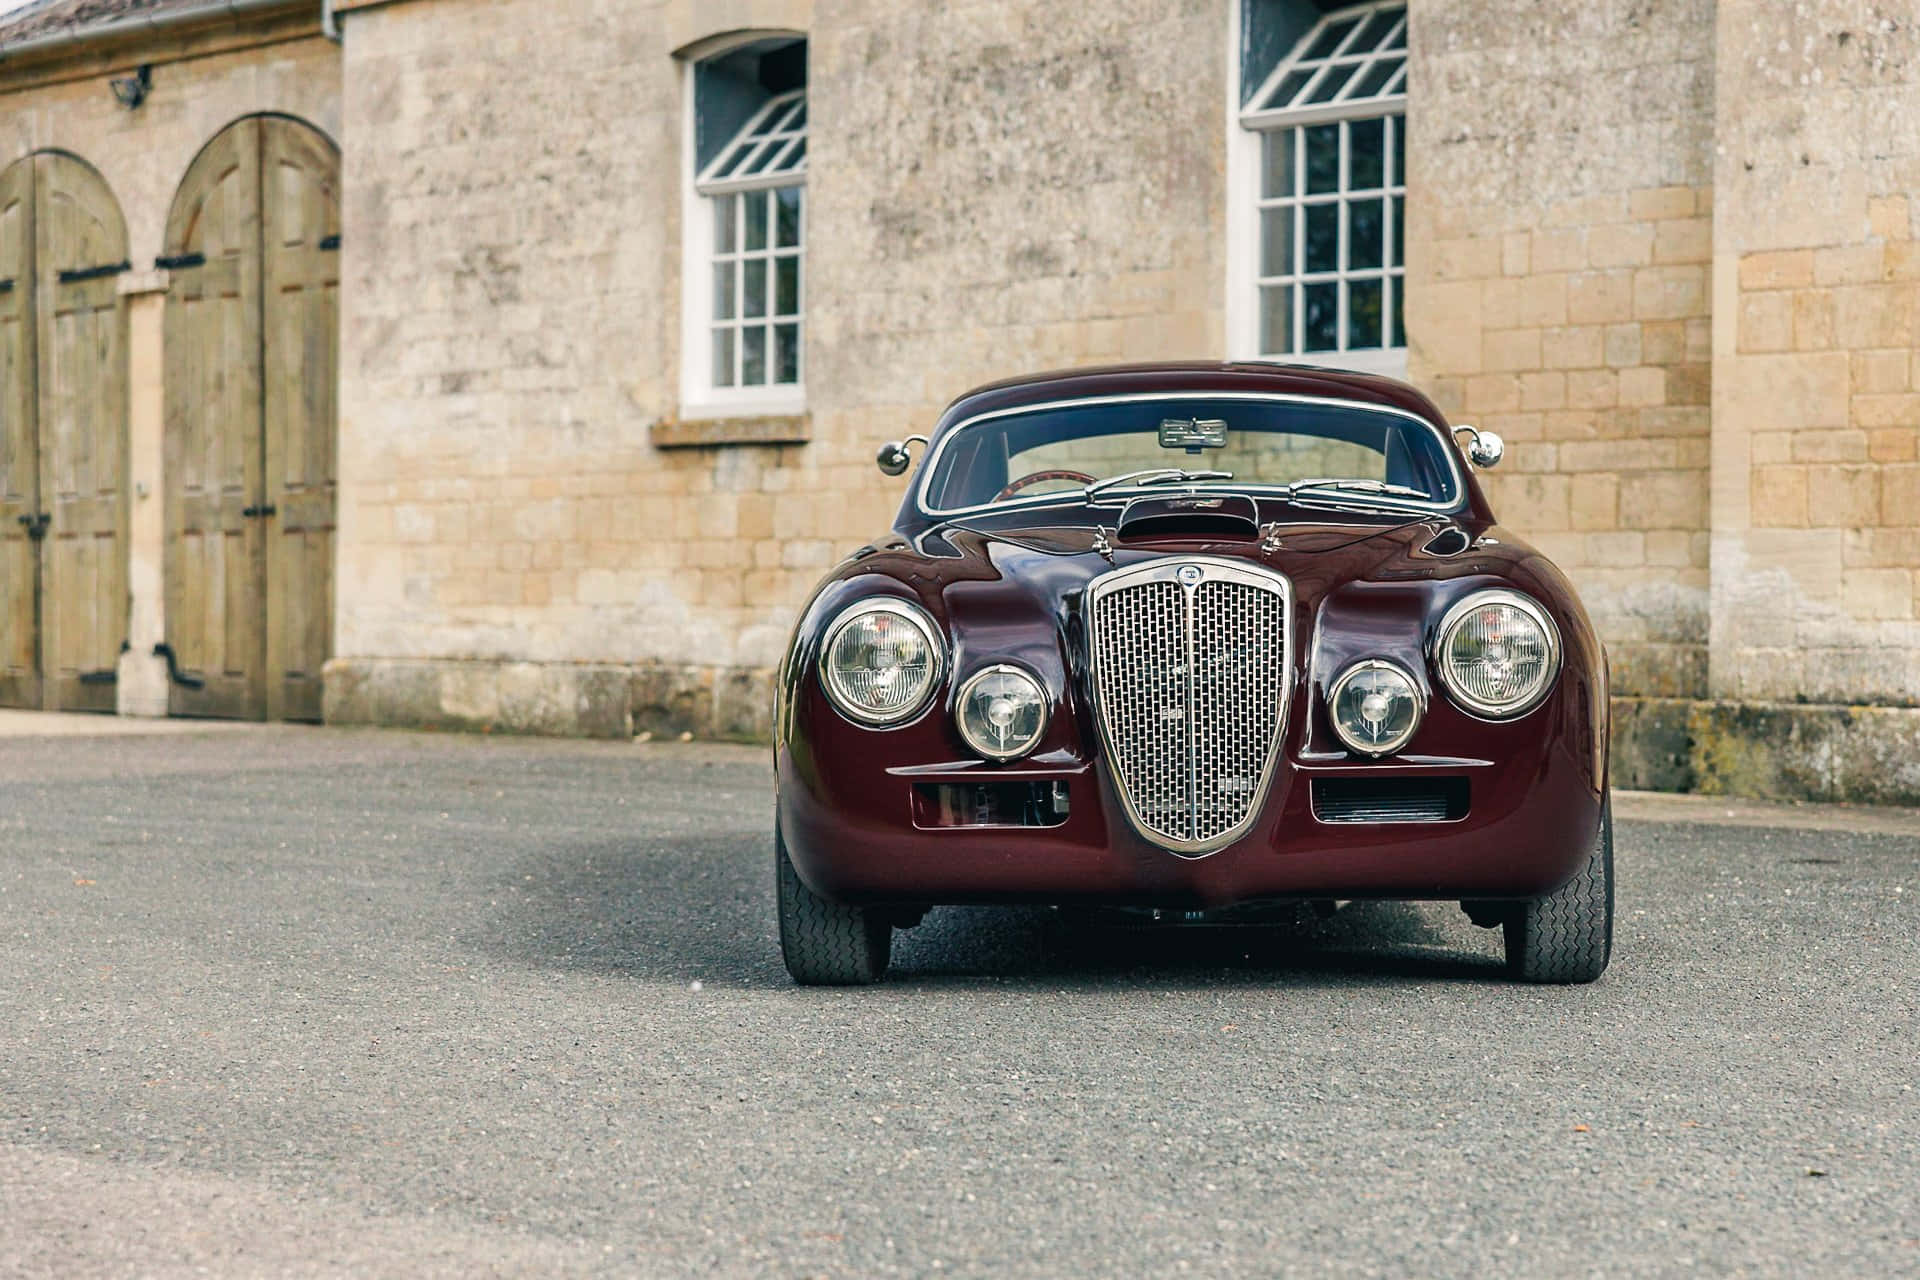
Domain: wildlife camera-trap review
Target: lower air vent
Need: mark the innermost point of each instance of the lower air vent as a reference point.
(989, 804)
(1389, 799)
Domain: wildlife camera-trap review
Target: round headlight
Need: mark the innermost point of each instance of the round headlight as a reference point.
(881, 660)
(1002, 711)
(1497, 653)
(1375, 706)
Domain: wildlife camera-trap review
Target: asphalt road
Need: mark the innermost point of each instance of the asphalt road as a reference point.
(313, 1002)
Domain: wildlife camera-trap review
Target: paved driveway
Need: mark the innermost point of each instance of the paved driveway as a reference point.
(309, 1001)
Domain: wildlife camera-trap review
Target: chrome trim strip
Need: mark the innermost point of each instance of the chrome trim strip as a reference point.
(1214, 569)
(1449, 449)
(1443, 635)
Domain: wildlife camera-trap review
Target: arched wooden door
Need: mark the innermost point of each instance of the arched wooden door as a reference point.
(251, 343)
(63, 436)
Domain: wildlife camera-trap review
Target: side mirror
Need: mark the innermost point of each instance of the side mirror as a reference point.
(1485, 449)
(894, 457)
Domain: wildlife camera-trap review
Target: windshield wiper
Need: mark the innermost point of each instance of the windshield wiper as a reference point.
(1155, 475)
(1354, 484)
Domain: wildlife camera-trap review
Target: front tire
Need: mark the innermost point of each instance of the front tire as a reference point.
(1567, 936)
(827, 944)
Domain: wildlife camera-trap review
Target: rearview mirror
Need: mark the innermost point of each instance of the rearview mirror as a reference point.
(1485, 449)
(894, 457)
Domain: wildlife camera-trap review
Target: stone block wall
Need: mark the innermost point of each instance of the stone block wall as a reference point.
(1559, 241)
(1816, 504)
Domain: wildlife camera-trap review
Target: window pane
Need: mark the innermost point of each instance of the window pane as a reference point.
(1276, 147)
(1363, 314)
(1377, 28)
(1399, 131)
(1276, 319)
(1367, 155)
(786, 353)
(1399, 40)
(1330, 39)
(756, 203)
(1399, 336)
(1321, 331)
(799, 156)
(753, 356)
(1323, 158)
(758, 157)
(799, 120)
(1323, 237)
(1364, 229)
(786, 286)
(1290, 87)
(723, 357)
(786, 214)
(723, 224)
(723, 291)
(753, 296)
(1331, 83)
(1376, 79)
(1276, 241)
(1399, 231)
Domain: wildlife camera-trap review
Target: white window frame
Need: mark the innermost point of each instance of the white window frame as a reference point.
(700, 397)
(1246, 128)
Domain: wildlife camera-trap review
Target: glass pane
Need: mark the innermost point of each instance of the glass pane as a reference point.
(799, 117)
(1276, 151)
(1330, 39)
(1290, 87)
(786, 353)
(1321, 330)
(799, 156)
(1323, 237)
(723, 224)
(723, 291)
(1399, 231)
(753, 356)
(1332, 82)
(1377, 28)
(756, 210)
(1276, 320)
(786, 286)
(786, 217)
(1399, 336)
(723, 357)
(1323, 158)
(1399, 40)
(1363, 314)
(1376, 79)
(1399, 131)
(1276, 241)
(1364, 229)
(753, 294)
(1366, 155)
(783, 119)
(758, 157)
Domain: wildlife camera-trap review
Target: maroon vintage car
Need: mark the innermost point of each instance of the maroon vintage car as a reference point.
(1193, 637)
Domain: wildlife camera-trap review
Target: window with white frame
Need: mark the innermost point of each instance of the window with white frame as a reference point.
(1330, 122)
(745, 296)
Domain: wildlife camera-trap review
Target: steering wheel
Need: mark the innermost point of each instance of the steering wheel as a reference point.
(1035, 477)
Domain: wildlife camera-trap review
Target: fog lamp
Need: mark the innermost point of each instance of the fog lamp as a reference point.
(1375, 707)
(1002, 711)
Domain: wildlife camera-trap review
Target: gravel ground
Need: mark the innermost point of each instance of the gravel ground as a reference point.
(310, 1001)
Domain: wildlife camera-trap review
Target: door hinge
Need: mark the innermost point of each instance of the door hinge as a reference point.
(94, 273)
(264, 509)
(36, 526)
(174, 673)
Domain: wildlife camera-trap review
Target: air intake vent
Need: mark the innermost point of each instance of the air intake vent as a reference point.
(1390, 799)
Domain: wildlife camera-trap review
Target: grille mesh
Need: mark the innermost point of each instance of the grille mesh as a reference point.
(1192, 687)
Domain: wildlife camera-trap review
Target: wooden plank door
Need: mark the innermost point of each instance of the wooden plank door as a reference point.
(19, 445)
(81, 248)
(214, 466)
(300, 211)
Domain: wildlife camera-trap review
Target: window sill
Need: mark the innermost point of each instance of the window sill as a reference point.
(701, 433)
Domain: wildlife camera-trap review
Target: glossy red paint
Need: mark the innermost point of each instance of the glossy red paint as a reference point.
(1007, 587)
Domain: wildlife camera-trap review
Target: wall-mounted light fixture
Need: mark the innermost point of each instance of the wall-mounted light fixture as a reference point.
(131, 91)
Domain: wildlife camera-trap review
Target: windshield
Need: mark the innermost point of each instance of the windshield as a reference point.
(1264, 442)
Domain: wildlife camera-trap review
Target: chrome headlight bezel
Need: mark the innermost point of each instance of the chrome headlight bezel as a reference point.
(1376, 751)
(842, 701)
(989, 752)
(1443, 641)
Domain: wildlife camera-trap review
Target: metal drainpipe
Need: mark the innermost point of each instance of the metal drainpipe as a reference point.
(140, 23)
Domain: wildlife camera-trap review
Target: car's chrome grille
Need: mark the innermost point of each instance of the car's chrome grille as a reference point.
(1191, 682)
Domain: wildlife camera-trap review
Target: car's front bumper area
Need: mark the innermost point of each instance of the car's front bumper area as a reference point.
(856, 832)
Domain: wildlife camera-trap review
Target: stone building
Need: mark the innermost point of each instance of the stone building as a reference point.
(498, 363)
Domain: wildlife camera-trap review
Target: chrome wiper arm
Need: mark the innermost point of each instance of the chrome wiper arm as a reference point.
(1155, 475)
(1356, 484)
